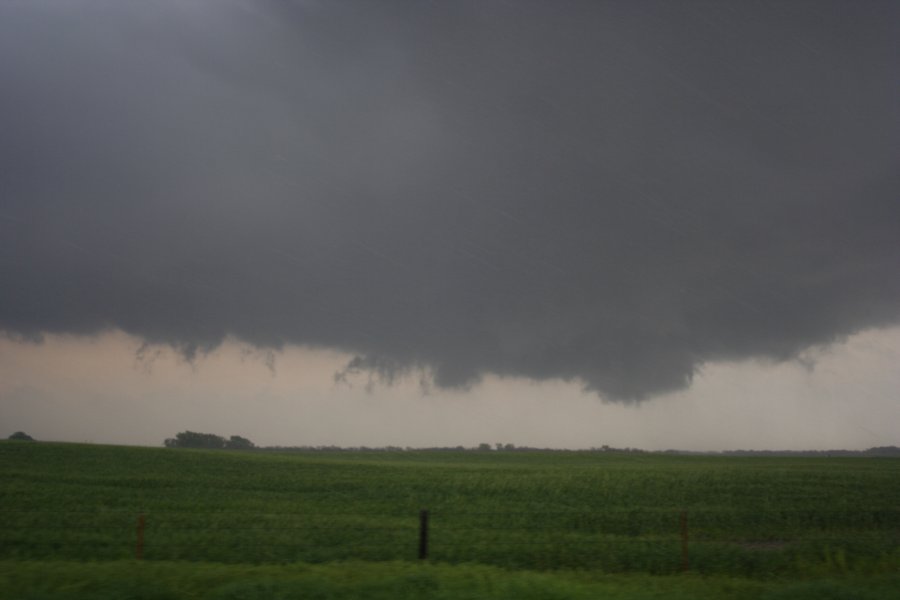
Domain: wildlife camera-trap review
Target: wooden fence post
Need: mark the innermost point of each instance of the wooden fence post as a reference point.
(423, 534)
(139, 550)
(685, 565)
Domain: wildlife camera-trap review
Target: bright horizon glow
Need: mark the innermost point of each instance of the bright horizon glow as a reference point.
(97, 389)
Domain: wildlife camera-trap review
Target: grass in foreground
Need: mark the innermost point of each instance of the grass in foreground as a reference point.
(130, 580)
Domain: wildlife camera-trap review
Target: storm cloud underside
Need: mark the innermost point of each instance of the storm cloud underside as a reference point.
(607, 192)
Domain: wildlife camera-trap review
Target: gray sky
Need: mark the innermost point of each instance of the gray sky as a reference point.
(568, 213)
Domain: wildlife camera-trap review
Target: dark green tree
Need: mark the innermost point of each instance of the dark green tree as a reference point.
(237, 442)
(21, 436)
(193, 439)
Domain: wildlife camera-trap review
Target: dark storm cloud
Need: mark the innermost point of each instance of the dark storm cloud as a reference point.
(611, 192)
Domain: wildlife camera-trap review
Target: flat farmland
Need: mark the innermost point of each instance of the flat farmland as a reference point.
(569, 519)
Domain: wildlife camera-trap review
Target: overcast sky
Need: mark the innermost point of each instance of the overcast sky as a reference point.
(656, 224)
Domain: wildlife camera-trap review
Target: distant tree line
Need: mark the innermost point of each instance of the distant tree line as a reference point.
(877, 451)
(210, 441)
(480, 448)
(193, 439)
(485, 447)
(21, 436)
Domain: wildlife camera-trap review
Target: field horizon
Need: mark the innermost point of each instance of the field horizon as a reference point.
(871, 451)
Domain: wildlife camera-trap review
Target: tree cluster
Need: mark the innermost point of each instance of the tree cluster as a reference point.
(210, 441)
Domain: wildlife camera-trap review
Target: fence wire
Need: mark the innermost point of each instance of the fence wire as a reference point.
(643, 540)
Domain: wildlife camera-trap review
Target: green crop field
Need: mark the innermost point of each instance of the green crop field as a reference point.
(219, 524)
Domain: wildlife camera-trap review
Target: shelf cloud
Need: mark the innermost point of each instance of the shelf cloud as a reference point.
(613, 193)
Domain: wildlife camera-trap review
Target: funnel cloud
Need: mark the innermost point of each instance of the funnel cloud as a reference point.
(612, 193)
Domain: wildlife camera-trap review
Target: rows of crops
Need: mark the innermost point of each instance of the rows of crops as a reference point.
(615, 513)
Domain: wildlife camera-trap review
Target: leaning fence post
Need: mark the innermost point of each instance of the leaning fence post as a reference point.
(685, 565)
(423, 534)
(139, 550)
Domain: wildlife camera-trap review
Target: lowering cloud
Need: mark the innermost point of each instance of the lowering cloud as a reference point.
(607, 192)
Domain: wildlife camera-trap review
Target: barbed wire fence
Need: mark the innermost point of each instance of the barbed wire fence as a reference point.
(633, 540)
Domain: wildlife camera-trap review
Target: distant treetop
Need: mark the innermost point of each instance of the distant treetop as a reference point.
(193, 439)
(21, 436)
